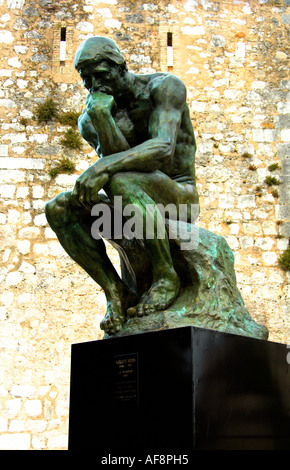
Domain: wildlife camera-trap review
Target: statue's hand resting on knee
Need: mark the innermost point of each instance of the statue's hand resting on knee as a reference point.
(89, 183)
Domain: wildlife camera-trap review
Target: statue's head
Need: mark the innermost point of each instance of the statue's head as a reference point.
(97, 49)
(101, 65)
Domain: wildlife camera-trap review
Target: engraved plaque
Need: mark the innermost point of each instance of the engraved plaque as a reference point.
(125, 380)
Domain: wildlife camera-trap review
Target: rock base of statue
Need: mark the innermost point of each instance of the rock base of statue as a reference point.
(178, 390)
(209, 297)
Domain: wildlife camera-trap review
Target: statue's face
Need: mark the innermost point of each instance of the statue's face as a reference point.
(101, 76)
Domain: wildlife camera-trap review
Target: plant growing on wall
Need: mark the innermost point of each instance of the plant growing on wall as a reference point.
(72, 139)
(284, 260)
(65, 165)
(272, 181)
(69, 118)
(46, 111)
(273, 167)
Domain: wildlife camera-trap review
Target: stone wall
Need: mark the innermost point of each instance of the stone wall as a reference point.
(234, 59)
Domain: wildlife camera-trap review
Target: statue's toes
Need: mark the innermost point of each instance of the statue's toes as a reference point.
(105, 325)
(145, 309)
(163, 306)
(132, 311)
(117, 324)
(150, 308)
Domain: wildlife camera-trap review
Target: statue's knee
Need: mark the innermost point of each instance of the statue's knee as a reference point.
(119, 183)
(56, 210)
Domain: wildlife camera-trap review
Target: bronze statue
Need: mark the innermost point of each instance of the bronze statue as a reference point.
(140, 127)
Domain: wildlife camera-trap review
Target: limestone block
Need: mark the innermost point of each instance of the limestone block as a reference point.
(13, 216)
(18, 149)
(284, 107)
(264, 243)
(58, 442)
(15, 441)
(22, 84)
(37, 444)
(15, 4)
(25, 163)
(218, 40)
(20, 49)
(270, 258)
(104, 12)
(3, 424)
(193, 30)
(193, 71)
(246, 242)
(285, 135)
(246, 201)
(37, 192)
(29, 232)
(30, 12)
(140, 59)
(14, 62)
(40, 220)
(8, 83)
(283, 150)
(27, 268)
(13, 407)
(3, 150)
(7, 191)
(33, 407)
(232, 242)
(97, 2)
(7, 103)
(22, 390)
(282, 121)
(198, 106)
(13, 278)
(16, 138)
(264, 135)
(286, 19)
(22, 192)
(226, 201)
(23, 246)
(6, 37)
(85, 26)
(26, 217)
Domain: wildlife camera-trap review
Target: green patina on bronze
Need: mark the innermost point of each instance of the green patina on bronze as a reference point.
(140, 127)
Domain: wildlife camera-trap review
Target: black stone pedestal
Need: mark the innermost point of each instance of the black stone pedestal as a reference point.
(179, 390)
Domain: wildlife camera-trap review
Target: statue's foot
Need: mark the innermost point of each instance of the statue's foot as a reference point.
(116, 312)
(160, 296)
(114, 318)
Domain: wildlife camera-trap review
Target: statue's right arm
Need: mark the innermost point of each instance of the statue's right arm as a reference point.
(99, 110)
(87, 130)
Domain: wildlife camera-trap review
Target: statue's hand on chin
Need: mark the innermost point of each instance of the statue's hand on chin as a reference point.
(99, 102)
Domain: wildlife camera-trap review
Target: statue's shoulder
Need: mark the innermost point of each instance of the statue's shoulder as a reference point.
(161, 80)
(160, 87)
(167, 85)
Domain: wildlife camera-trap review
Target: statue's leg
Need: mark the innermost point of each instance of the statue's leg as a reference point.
(142, 190)
(72, 226)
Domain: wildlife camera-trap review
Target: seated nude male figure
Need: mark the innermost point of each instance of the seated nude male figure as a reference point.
(140, 127)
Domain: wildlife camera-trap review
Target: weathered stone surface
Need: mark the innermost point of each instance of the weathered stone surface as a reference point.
(209, 296)
(35, 344)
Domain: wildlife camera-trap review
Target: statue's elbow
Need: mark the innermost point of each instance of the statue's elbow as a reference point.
(56, 210)
(166, 150)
